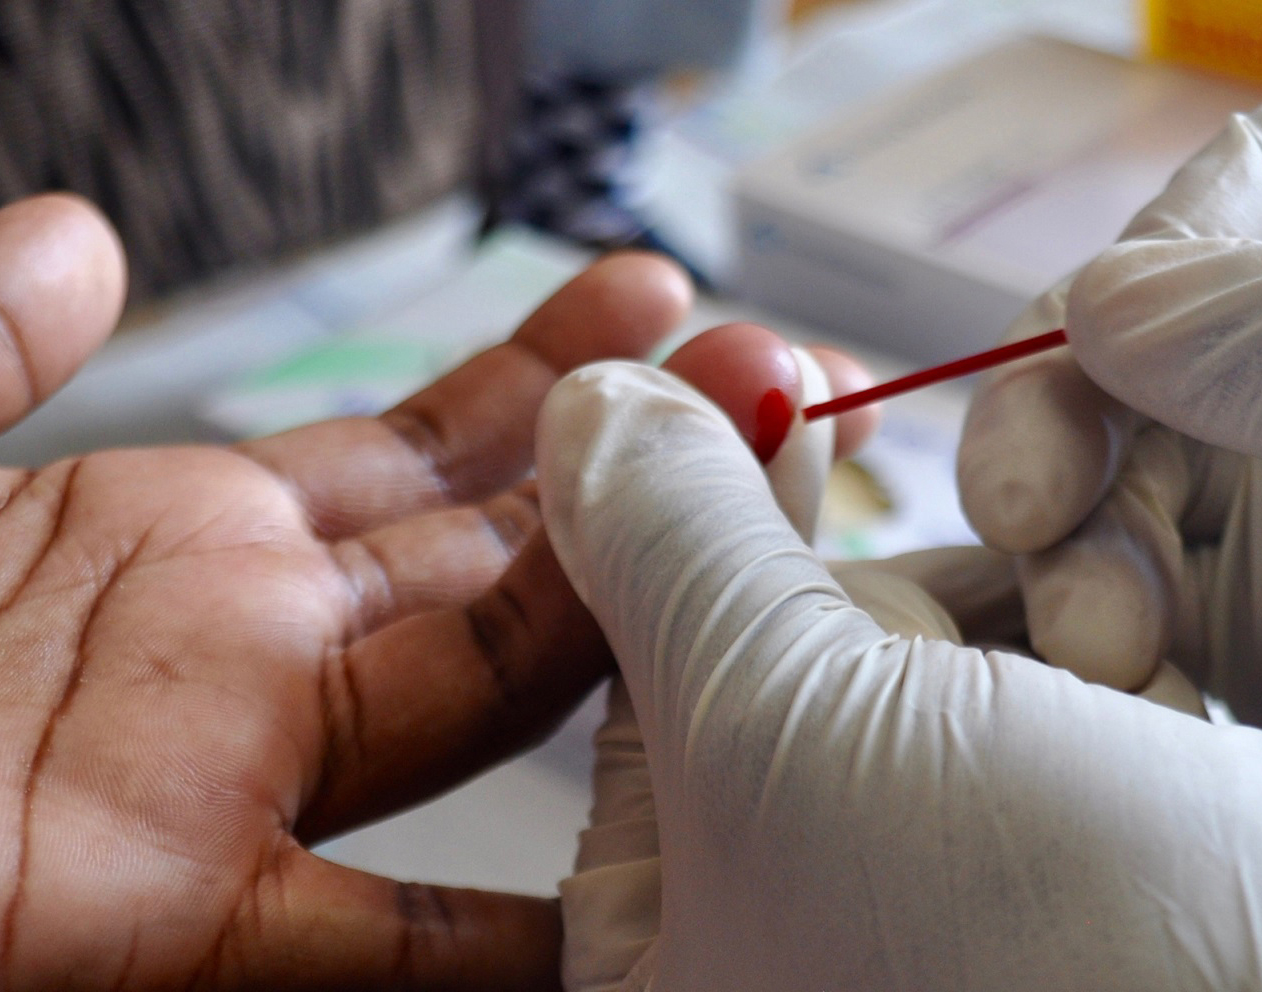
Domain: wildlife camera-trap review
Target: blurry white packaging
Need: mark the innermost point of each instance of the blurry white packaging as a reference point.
(924, 221)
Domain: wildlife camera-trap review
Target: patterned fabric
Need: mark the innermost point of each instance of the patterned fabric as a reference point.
(217, 132)
(571, 158)
(572, 164)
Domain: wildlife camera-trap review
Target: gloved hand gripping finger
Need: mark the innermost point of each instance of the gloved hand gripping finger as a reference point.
(838, 804)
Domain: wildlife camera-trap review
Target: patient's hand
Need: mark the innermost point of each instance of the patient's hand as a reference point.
(210, 657)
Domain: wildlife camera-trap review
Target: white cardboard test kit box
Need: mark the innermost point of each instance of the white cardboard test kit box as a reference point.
(923, 222)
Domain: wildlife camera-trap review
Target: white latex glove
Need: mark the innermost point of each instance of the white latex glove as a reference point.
(840, 807)
(1141, 543)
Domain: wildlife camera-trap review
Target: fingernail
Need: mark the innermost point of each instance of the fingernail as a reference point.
(774, 417)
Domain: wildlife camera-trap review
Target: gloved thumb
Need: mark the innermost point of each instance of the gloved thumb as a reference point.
(668, 529)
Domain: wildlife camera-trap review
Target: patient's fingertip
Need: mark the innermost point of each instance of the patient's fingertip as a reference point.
(845, 375)
(621, 306)
(773, 419)
(750, 373)
(62, 288)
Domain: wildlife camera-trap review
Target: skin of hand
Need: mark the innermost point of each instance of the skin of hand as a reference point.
(1124, 472)
(215, 656)
(806, 795)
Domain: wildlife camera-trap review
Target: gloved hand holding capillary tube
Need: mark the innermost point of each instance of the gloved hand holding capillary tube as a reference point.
(1131, 492)
(841, 797)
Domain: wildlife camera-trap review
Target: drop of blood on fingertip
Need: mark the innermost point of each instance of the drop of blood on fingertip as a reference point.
(774, 417)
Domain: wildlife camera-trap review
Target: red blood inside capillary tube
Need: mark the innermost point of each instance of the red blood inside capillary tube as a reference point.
(771, 418)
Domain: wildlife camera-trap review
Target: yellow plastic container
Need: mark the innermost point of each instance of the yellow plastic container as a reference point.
(1219, 35)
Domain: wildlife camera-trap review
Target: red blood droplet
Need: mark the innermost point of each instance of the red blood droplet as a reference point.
(775, 414)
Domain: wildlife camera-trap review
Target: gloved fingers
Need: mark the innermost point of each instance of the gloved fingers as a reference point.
(1169, 319)
(611, 905)
(970, 595)
(1134, 583)
(975, 588)
(1216, 194)
(1041, 443)
(1173, 327)
(917, 815)
(665, 524)
(1171, 688)
(896, 603)
(622, 789)
(1218, 640)
(1104, 602)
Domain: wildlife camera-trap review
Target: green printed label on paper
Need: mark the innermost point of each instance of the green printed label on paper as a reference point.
(355, 360)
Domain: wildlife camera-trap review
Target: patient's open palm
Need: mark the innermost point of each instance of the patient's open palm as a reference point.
(212, 656)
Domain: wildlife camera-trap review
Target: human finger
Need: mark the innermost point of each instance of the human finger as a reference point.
(469, 434)
(738, 365)
(761, 384)
(844, 375)
(310, 924)
(978, 595)
(1104, 602)
(1168, 319)
(1172, 328)
(444, 557)
(976, 586)
(1165, 321)
(1041, 443)
(62, 286)
(420, 705)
